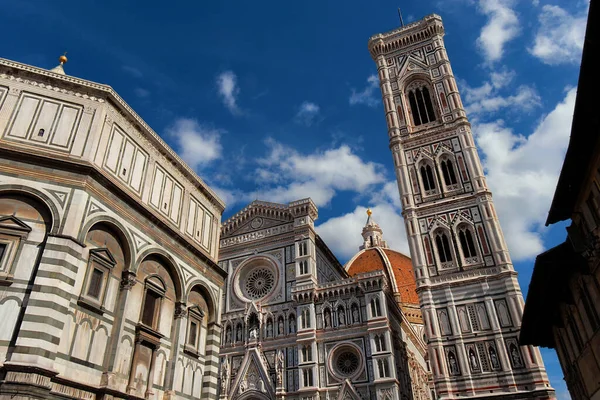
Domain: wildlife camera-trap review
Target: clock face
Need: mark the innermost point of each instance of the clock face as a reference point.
(256, 223)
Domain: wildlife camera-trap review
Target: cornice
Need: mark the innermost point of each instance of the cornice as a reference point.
(415, 32)
(105, 91)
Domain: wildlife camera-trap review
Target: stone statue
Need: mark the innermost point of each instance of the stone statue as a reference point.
(238, 334)
(292, 326)
(253, 333)
(269, 329)
(327, 319)
(279, 367)
(453, 365)
(494, 359)
(341, 317)
(228, 335)
(473, 359)
(280, 327)
(514, 353)
(354, 314)
(224, 375)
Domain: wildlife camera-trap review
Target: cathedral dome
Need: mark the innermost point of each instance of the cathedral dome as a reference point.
(374, 255)
(397, 266)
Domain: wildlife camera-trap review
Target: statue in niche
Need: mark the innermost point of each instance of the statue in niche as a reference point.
(293, 325)
(280, 327)
(354, 314)
(279, 366)
(228, 335)
(453, 364)
(494, 358)
(327, 318)
(341, 317)
(514, 353)
(253, 332)
(238, 334)
(224, 375)
(473, 360)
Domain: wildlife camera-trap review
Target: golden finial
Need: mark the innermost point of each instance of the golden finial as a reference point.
(63, 59)
(369, 212)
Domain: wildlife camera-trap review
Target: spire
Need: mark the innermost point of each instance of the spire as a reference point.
(59, 68)
(372, 233)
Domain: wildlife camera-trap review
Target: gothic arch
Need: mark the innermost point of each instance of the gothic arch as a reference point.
(442, 239)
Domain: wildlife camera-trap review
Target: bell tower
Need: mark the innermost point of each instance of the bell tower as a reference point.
(468, 289)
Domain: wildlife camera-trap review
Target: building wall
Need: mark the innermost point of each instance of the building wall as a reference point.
(468, 291)
(98, 218)
(337, 309)
(577, 336)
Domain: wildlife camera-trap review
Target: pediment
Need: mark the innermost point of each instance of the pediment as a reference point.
(256, 224)
(252, 377)
(13, 223)
(103, 254)
(411, 65)
(348, 392)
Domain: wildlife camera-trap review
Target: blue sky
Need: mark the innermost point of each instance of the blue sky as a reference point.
(276, 101)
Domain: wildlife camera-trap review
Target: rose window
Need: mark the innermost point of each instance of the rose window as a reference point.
(259, 283)
(347, 363)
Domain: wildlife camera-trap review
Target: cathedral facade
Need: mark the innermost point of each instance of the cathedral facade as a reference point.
(296, 324)
(109, 283)
(468, 290)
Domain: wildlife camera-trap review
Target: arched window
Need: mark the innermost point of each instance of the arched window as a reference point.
(443, 247)
(305, 319)
(383, 367)
(448, 172)
(375, 307)
(308, 377)
(306, 353)
(421, 106)
(466, 242)
(427, 177)
(379, 343)
(198, 317)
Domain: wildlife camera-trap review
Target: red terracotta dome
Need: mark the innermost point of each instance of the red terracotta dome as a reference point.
(397, 266)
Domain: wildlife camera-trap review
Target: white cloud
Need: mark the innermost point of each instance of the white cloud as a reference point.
(367, 95)
(197, 145)
(307, 113)
(141, 92)
(287, 174)
(343, 234)
(522, 173)
(502, 26)
(559, 39)
(229, 90)
(525, 99)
